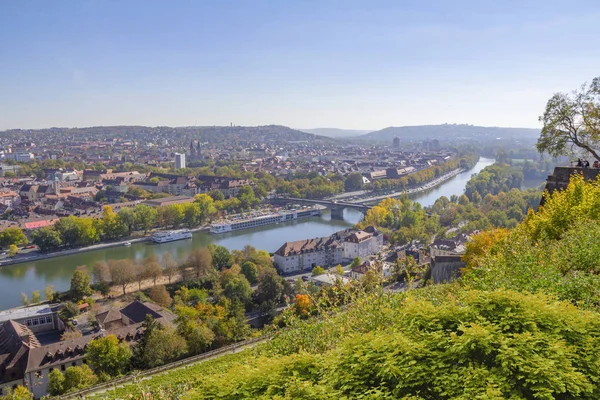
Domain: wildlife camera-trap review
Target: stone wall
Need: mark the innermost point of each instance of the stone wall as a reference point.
(446, 268)
(561, 176)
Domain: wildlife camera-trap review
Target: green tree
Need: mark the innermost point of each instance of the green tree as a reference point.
(355, 262)
(69, 310)
(572, 120)
(80, 285)
(49, 293)
(107, 356)
(152, 271)
(78, 377)
(56, 381)
(353, 182)
(13, 236)
(46, 239)
(250, 271)
(36, 297)
(13, 250)
(269, 290)
(112, 225)
(318, 270)
(145, 217)
(170, 266)
(25, 299)
(18, 393)
(162, 345)
(127, 217)
(236, 287)
(221, 257)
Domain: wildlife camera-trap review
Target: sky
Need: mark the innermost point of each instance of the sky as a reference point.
(305, 64)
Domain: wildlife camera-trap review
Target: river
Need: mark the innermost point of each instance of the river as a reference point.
(57, 271)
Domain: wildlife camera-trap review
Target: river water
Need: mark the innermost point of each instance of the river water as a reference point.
(36, 275)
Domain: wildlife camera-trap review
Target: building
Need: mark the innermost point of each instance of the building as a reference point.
(10, 199)
(304, 255)
(195, 150)
(396, 142)
(362, 244)
(385, 271)
(30, 346)
(167, 201)
(12, 169)
(228, 186)
(449, 247)
(179, 160)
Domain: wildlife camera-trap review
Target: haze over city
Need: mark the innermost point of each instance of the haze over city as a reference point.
(344, 64)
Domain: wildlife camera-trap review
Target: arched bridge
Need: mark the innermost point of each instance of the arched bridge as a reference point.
(336, 207)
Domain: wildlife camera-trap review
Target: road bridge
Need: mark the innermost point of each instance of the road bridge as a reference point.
(336, 207)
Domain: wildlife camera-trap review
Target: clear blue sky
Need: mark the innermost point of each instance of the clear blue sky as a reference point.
(305, 64)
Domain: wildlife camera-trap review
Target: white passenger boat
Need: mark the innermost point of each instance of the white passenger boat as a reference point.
(170, 236)
(245, 221)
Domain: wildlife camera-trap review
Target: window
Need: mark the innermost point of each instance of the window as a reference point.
(50, 370)
(62, 367)
(39, 374)
(74, 364)
(35, 321)
(29, 322)
(49, 320)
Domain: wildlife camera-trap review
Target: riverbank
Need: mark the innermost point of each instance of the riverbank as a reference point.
(42, 256)
(429, 185)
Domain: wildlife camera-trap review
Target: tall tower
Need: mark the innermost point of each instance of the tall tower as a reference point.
(179, 160)
(193, 151)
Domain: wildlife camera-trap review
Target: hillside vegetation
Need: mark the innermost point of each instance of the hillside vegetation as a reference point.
(522, 323)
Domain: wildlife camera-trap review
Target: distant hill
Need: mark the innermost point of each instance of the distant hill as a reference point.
(335, 132)
(216, 134)
(450, 131)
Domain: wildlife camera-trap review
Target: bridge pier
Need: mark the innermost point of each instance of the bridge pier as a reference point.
(337, 212)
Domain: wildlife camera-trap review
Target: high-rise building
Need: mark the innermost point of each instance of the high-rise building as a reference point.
(179, 160)
(397, 142)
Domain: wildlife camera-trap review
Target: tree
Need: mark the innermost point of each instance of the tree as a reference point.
(318, 270)
(153, 271)
(160, 296)
(78, 377)
(80, 285)
(122, 272)
(269, 290)
(36, 297)
(18, 393)
(170, 267)
(100, 273)
(69, 310)
(207, 207)
(112, 225)
(236, 287)
(12, 236)
(353, 182)
(70, 334)
(107, 356)
(127, 217)
(49, 293)
(162, 345)
(221, 257)
(145, 217)
(216, 195)
(572, 120)
(56, 381)
(139, 273)
(250, 271)
(201, 261)
(46, 239)
(24, 299)
(355, 262)
(301, 304)
(13, 250)
(339, 270)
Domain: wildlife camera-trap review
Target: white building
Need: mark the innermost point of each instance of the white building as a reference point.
(179, 160)
(304, 255)
(362, 244)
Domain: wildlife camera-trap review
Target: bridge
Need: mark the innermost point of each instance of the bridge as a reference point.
(336, 207)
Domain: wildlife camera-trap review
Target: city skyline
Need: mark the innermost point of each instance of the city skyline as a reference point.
(332, 64)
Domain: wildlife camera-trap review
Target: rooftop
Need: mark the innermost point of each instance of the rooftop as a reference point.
(25, 312)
